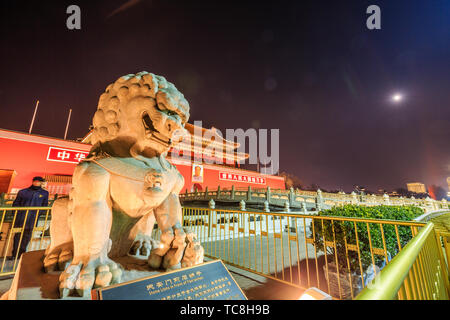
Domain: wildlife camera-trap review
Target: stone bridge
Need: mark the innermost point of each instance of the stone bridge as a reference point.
(300, 200)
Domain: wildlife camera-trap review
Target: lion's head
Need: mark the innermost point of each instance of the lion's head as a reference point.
(143, 111)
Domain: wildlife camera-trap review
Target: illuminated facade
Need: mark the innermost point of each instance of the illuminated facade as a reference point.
(416, 187)
(448, 183)
(24, 156)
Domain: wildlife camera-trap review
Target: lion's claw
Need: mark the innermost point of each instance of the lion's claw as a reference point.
(82, 279)
(141, 248)
(58, 258)
(182, 251)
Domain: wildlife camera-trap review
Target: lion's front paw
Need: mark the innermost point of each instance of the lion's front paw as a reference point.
(184, 251)
(59, 257)
(194, 252)
(141, 248)
(83, 277)
(169, 251)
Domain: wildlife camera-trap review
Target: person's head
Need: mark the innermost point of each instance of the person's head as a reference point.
(38, 181)
(197, 171)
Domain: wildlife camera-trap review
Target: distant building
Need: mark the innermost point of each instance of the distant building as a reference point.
(448, 182)
(416, 187)
(393, 194)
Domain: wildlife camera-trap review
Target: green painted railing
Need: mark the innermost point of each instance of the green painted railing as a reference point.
(418, 272)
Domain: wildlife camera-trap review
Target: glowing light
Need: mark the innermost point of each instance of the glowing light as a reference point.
(314, 294)
(397, 97)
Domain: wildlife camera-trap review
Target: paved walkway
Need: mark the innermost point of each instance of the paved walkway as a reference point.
(258, 287)
(442, 222)
(270, 255)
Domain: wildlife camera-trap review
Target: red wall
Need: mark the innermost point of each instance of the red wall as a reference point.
(211, 177)
(27, 154)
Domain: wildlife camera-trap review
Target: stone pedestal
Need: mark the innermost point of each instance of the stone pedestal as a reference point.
(32, 283)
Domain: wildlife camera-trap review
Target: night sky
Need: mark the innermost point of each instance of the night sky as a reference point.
(310, 68)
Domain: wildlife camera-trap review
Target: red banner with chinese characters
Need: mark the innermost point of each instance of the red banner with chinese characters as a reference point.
(241, 178)
(66, 155)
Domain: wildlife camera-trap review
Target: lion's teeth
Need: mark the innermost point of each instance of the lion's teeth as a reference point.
(157, 184)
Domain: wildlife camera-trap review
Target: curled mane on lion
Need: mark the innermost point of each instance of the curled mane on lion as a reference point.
(116, 112)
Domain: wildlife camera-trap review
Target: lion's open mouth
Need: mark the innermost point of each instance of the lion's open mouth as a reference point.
(153, 133)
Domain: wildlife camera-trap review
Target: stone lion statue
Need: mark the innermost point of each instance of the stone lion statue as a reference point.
(122, 187)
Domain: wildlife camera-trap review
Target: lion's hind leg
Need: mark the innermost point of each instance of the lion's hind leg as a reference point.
(60, 252)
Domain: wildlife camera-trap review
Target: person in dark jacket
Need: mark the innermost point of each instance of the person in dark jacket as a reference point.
(33, 196)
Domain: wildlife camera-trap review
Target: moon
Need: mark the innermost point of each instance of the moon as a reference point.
(397, 97)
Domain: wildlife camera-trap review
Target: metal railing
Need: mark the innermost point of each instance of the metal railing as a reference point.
(338, 255)
(418, 272)
(334, 254)
(18, 226)
(7, 199)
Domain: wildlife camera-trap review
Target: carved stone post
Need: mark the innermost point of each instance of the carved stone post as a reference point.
(286, 207)
(319, 200)
(291, 196)
(386, 200)
(242, 205)
(266, 206)
(249, 193)
(354, 198)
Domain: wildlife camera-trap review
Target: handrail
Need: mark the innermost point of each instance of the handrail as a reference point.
(302, 250)
(14, 222)
(392, 277)
(23, 208)
(314, 216)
